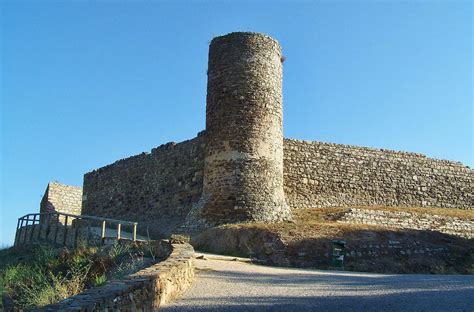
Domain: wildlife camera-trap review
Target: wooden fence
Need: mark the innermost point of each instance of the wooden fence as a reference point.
(67, 229)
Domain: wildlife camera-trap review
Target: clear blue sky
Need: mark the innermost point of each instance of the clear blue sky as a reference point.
(84, 83)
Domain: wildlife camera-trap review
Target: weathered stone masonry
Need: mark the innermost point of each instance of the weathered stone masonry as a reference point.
(62, 198)
(235, 170)
(316, 174)
(150, 187)
(410, 220)
(321, 174)
(243, 162)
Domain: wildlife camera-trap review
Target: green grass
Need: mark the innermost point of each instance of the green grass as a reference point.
(36, 276)
(100, 280)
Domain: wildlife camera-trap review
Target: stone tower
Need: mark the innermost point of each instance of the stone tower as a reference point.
(243, 168)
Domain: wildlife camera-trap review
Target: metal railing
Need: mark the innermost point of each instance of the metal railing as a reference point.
(55, 219)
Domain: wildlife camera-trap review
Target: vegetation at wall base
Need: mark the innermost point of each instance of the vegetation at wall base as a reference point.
(38, 275)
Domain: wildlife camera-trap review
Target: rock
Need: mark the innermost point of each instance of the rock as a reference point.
(179, 239)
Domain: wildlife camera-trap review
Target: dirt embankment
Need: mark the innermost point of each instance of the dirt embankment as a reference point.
(307, 243)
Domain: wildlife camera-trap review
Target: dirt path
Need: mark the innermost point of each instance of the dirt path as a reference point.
(223, 285)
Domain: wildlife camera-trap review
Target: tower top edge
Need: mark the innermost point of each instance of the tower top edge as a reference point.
(244, 34)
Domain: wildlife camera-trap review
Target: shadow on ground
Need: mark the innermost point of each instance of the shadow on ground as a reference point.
(369, 249)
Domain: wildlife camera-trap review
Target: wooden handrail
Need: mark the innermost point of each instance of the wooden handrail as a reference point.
(78, 217)
(37, 218)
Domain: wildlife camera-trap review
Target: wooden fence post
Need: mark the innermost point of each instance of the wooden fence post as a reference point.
(56, 228)
(102, 236)
(119, 229)
(88, 230)
(76, 229)
(134, 231)
(65, 232)
(22, 231)
(48, 227)
(33, 228)
(17, 233)
(39, 226)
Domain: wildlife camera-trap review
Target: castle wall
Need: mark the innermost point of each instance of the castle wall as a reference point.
(241, 169)
(323, 174)
(62, 198)
(159, 189)
(160, 185)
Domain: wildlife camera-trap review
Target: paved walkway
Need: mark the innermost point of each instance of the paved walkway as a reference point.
(223, 285)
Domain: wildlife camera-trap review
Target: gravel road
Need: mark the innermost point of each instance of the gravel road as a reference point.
(223, 285)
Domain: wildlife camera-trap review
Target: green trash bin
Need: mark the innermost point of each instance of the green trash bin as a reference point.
(338, 253)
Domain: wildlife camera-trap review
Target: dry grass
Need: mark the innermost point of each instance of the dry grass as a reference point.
(35, 276)
(307, 224)
(312, 231)
(322, 222)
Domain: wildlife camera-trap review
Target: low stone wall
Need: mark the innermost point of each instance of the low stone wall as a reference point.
(145, 290)
(393, 248)
(408, 220)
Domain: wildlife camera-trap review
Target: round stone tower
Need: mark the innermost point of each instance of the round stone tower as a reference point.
(243, 168)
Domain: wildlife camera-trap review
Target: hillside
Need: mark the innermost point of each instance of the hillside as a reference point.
(306, 242)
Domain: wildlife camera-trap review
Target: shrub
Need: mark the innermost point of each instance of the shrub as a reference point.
(100, 280)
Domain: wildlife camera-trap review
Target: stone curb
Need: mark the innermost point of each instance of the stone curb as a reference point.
(145, 290)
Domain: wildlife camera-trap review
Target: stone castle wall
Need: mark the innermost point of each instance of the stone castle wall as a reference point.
(241, 169)
(323, 174)
(62, 198)
(161, 185)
